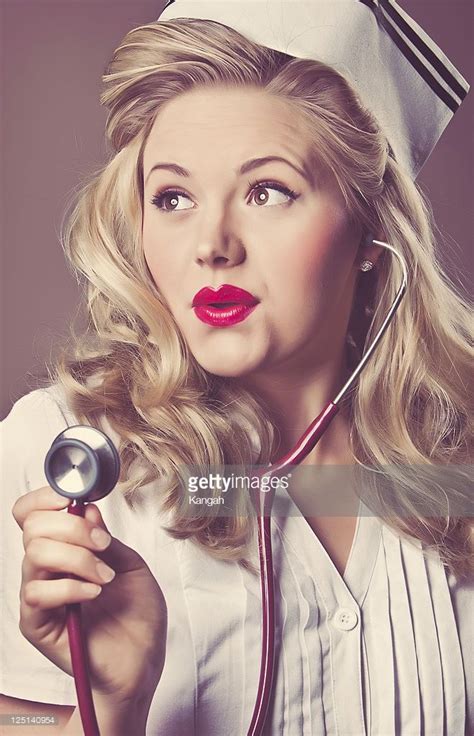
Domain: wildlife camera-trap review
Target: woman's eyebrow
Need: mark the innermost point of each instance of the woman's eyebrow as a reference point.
(244, 169)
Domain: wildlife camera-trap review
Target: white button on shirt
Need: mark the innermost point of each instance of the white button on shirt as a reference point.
(345, 619)
(385, 649)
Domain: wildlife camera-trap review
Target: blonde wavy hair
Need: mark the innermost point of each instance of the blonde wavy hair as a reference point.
(410, 410)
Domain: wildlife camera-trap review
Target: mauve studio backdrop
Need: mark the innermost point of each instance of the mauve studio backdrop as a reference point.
(53, 54)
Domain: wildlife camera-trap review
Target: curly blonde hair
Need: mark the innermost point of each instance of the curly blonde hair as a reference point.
(410, 410)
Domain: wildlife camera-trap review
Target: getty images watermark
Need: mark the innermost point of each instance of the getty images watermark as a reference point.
(331, 490)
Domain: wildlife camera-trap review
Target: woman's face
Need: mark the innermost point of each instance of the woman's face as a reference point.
(295, 252)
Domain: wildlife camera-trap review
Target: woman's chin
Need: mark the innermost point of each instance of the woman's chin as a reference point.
(228, 368)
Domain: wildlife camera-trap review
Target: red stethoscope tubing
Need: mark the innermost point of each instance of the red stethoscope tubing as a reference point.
(79, 660)
(304, 446)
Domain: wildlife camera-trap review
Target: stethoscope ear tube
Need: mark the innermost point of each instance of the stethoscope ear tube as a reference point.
(264, 501)
(83, 464)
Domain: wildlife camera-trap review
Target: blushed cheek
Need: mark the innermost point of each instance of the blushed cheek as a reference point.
(167, 277)
(156, 260)
(325, 252)
(309, 267)
(312, 281)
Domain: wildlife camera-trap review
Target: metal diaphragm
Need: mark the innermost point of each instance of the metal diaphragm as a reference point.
(82, 463)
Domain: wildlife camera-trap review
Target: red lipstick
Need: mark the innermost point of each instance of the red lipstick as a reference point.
(224, 306)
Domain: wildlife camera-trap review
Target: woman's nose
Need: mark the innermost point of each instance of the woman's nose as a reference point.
(218, 248)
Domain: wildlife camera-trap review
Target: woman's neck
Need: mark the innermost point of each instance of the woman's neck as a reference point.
(294, 401)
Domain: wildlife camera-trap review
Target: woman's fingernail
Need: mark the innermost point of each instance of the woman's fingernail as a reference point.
(90, 589)
(105, 572)
(100, 538)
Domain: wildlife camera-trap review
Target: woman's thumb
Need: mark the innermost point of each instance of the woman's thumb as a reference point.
(92, 514)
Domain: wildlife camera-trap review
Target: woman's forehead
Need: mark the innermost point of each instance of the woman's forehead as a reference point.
(229, 113)
(237, 124)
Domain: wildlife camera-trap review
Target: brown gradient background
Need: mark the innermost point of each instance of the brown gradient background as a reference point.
(54, 53)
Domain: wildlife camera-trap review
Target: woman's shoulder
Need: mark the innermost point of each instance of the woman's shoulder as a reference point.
(29, 428)
(37, 411)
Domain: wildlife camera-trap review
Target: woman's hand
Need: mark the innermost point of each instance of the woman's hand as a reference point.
(124, 625)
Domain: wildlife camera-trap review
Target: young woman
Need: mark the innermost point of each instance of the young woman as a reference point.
(236, 164)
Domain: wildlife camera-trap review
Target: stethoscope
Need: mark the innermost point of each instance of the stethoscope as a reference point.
(83, 464)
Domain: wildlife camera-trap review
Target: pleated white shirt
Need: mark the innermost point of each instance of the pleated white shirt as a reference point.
(386, 649)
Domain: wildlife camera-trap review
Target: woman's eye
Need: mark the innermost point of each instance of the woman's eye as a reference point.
(172, 196)
(259, 187)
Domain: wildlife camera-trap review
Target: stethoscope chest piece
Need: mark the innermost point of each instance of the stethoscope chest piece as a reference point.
(82, 463)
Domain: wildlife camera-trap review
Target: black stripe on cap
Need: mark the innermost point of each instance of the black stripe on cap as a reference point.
(424, 49)
(417, 64)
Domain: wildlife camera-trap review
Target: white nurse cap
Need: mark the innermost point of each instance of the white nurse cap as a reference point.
(400, 74)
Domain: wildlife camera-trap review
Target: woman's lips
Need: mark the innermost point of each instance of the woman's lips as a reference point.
(224, 316)
(225, 306)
